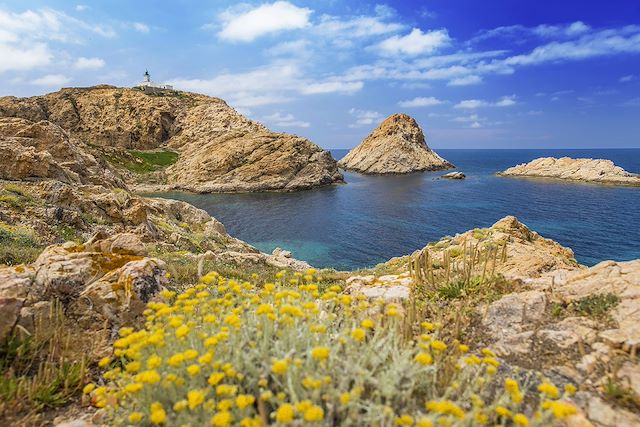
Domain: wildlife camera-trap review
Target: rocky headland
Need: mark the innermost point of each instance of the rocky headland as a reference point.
(219, 149)
(396, 146)
(565, 168)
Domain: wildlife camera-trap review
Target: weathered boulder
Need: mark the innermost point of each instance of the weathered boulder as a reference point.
(566, 168)
(396, 146)
(104, 282)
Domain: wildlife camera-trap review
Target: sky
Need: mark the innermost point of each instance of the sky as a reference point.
(474, 74)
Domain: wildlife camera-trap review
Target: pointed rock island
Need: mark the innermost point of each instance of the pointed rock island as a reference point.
(397, 146)
(215, 148)
(565, 168)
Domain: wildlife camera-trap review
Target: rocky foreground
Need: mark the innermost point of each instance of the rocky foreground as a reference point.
(220, 150)
(584, 170)
(396, 146)
(574, 324)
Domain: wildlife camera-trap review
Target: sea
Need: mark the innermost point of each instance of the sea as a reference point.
(371, 219)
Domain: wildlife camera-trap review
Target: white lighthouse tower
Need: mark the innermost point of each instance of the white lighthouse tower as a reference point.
(148, 85)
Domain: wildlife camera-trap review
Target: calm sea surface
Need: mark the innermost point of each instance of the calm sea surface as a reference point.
(373, 218)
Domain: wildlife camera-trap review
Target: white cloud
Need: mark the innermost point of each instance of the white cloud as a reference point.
(625, 79)
(83, 63)
(21, 58)
(471, 79)
(295, 47)
(141, 27)
(25, 37)
(55, 80)
(364, 117)
(472, 104)
(285, 120)
(475, 125)
(276, 83)
(577, 27)
(420, 102)
(414, 43)
(600, 43)
(361, 26)
(81, 7)
(466, 119)
(332, 87)
(506, 101)
(264, 19)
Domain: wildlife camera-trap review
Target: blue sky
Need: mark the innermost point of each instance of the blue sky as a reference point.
(499, 74)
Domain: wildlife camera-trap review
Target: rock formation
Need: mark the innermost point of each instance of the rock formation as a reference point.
(220, 150)
(396, 146)
(566, 168)
(453, 175)
(31, 151)
(107, 281)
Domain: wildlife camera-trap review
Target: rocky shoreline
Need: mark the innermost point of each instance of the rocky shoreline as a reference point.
(584, 170)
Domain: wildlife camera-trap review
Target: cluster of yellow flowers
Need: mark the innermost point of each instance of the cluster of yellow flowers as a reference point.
(226, 353)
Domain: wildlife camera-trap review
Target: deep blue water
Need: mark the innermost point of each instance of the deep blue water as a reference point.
(374, 218)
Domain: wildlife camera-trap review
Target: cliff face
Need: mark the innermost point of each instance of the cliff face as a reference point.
(566, 168)
(220, 150)
(397, 146)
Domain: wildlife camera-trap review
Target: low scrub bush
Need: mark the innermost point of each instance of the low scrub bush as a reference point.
(228, 352)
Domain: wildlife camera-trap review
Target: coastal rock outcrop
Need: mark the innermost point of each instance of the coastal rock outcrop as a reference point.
(585, 170)
(396, 146)
(99, 283)
(220, 150)
(40, 150)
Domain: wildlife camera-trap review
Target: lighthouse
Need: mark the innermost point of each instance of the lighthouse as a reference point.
(148, 85)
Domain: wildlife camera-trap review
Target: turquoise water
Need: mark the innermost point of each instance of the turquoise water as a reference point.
(374, 218)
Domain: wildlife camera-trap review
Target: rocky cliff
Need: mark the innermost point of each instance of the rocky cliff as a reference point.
(397, 146)
(220, 150)
(566, 168)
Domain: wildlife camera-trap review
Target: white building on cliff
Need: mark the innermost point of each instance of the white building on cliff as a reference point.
(147, 84)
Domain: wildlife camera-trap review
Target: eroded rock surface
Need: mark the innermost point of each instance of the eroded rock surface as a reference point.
(220, 150)
(397, 146)
(586, 170)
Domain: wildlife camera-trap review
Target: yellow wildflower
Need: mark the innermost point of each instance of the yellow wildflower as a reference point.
(445, 407)
(313, 413)
(549, 389)
(193, 370)
(222, 419)
(404, 420)
(424, 359)
(520, 420)
(195, 398)
(502, 411)
(244, 400)
(320, 353)
(438, 345)
(280, 367)
(367, 324)
(358, 334)
(285, 414)
(88, 388)
(158, 415)
(559, 409)
(135, 417)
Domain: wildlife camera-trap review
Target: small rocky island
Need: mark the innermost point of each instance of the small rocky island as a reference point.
(585, 170)
(397, 146)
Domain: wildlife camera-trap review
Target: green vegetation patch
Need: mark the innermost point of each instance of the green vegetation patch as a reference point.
(595, 306)
(143, 161)
(18, 245)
